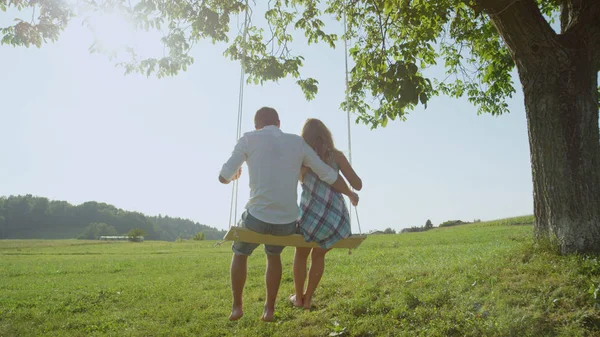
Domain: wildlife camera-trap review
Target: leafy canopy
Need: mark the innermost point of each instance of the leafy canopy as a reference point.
(393, 43)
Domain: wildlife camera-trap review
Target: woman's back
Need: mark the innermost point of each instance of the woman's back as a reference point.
(324, 217)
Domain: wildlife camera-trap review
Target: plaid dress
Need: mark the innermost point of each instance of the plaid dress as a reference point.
(324, 217)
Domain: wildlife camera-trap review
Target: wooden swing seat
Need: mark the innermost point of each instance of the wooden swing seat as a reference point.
(294, 240)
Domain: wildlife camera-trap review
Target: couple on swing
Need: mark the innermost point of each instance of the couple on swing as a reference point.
(276, 161)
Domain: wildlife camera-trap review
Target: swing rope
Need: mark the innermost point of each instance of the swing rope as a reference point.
(238, 133)
(348, 113)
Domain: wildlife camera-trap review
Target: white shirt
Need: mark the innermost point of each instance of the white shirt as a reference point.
(274, 160)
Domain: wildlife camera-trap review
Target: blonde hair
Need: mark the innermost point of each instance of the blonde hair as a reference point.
(318, 136)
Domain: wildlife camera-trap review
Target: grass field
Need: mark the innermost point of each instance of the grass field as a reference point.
(484, 279)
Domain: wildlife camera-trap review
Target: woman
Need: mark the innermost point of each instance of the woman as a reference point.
(324, 217)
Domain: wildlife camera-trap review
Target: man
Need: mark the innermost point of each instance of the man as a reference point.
(274, 160)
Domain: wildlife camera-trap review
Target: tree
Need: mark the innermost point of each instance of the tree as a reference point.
(135, 233)
(199, 236)
(428, 224)
(452, 223)
(95, 230)
(2, 228)
(389, 231)
(479, 42)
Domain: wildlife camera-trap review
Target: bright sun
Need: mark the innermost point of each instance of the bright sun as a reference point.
(111, 31)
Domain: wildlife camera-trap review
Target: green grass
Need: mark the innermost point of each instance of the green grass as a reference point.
(516, 221)
(484, 279)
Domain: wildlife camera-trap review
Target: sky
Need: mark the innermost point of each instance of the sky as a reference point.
(73, 127)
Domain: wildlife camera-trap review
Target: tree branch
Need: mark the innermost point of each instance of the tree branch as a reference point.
(382, 25)
(523, 28)
(569, 13)
(582, 24)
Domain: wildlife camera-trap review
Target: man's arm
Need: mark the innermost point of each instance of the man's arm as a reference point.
(341, 186)
(232, 169)
(326, 173)
(235, 177)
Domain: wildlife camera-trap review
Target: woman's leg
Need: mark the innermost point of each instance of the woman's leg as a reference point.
(300, 258)
(317, 266)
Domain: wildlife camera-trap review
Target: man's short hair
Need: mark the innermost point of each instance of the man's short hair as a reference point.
(266, 116)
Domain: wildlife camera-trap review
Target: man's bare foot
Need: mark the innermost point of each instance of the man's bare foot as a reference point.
(236, 313)
(268, 315)
(295, 301)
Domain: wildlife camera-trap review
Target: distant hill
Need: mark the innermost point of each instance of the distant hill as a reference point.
(31, 217)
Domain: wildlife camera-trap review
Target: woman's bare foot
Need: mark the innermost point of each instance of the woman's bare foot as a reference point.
(268, 315)
(295, 301)
(236, 313)
(307, 303)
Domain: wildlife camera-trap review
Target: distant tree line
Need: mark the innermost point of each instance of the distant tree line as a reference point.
(450, 223)
(385, 231)
(428, 225)
(29, 217)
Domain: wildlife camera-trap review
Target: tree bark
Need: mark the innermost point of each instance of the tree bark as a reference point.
(559, 75)
(561, 104)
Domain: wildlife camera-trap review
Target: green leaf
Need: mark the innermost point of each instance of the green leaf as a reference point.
(392, 43)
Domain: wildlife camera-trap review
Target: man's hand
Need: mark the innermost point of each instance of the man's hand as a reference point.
(237, 175)
(353, 198)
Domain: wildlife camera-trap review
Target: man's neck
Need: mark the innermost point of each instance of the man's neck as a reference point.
(269, 127)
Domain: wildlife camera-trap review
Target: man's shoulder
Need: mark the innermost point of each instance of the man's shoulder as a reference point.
(292, 136)
(289, 138)
(250, 134)
(294, 141)
(279, 132)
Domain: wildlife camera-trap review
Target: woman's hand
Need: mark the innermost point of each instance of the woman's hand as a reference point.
(353, 198)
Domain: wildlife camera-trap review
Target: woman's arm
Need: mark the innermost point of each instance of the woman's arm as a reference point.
(341, 186)
(348, 171)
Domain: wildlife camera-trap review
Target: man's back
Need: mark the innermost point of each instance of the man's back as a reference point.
(274, 161)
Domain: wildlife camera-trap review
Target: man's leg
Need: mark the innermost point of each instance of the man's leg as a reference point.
(273, 280)
(239, 266)
(273, 273)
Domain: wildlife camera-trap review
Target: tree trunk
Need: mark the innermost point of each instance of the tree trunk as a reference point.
(561, 102)
(559, 74)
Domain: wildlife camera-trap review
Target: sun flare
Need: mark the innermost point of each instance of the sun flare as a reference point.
(111, 31)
